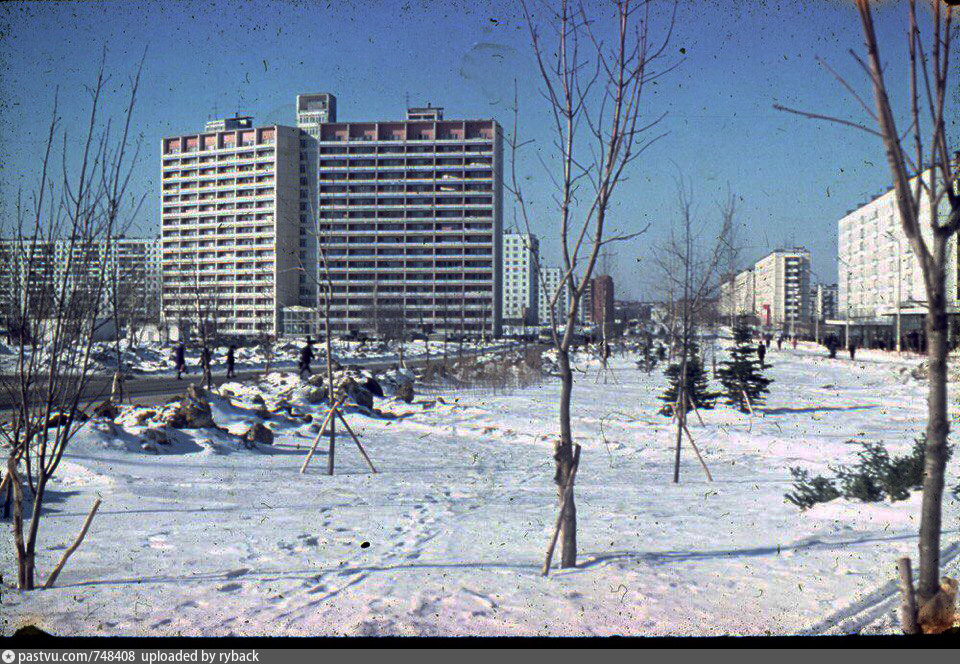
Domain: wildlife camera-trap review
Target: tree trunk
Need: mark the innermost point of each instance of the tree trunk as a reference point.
(30, 548)
(935, 458)
(681, 414)
(24, 562)
(563, 456)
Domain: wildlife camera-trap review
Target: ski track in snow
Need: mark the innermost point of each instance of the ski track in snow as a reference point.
(211, 539)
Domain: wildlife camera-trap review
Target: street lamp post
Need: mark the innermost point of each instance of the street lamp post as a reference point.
(846, 329)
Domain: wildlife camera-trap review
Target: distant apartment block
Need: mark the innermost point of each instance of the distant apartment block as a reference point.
(409, 214)
(125, 270)
(601, 303)
(552, 281)
(737, 294)
(782, 289)
(823, 301)
(230, 226)
(520, 288)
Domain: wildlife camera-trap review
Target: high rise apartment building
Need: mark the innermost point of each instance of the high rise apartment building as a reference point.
(782, 289)
(552, 282)
(230, 226)
(410, 221)
(601, 303)
(404, 218)
(520, 291)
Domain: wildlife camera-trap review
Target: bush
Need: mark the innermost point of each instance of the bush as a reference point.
(808, 492)
(876, 476)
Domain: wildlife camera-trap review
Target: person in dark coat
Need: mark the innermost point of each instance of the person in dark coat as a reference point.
(180, 360)
(306, 357)
(231, 361)
(761, 351)
(780, 342)
(832, 346)
(852, 348)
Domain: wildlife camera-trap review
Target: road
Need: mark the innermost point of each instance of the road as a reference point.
(147, 389)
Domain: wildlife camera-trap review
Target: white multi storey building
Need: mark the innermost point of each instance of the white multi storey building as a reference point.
(121, 269)
(520, 292)
(878, 270)
(737, 294)
(552, 279)
(782, 289)
(823, 301)
(410, 222)
(230, 226)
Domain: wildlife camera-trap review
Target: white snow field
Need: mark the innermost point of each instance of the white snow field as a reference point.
(208, 538)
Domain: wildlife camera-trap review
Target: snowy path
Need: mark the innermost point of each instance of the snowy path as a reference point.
(214, 540)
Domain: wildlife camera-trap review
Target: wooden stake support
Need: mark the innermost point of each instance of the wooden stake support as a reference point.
(908, 601)
(697, 450)
(73, 547)
(694, 409)
(356, 440)
(567, 493)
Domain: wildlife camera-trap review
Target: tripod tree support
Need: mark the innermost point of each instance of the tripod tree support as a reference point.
(316, 440)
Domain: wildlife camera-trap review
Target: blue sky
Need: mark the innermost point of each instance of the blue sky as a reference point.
(795, 177)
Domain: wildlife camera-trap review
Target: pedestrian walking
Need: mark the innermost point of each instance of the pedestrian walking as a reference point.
(761, 352)
(180, 360)
(852, 348)
(306, 357)
(231, 360)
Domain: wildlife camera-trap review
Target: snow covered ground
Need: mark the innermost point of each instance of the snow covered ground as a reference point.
(448, 539)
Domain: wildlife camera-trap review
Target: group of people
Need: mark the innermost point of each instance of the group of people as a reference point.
(180, 359)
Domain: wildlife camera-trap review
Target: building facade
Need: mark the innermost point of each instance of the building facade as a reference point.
(520, 288)
(823, 300)
(601, 303)
(782, 290)
(737, 294)
(123, 270)
(878, 271)
(552, 281)
(229, 227)
(409, 219)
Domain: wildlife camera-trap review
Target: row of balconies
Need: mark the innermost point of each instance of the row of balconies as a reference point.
(385, 191)
(224, 154)
(391, 149)
(481, 207)
(399, 178)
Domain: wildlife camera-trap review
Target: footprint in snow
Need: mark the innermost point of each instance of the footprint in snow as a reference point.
(233, 574)
(229, 587)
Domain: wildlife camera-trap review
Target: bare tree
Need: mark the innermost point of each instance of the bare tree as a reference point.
(923, 177)
(75, 212)
(689, 272)
(207, 316)
(593, 92)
